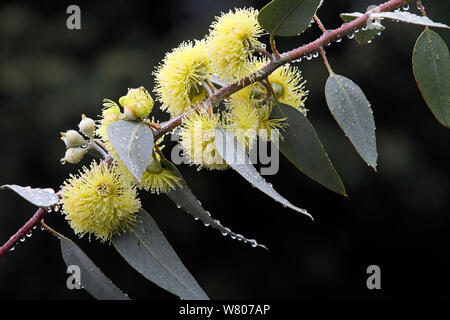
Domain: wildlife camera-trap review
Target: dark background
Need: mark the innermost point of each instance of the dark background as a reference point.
(397, 218)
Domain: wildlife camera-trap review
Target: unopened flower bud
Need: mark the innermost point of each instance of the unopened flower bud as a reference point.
(154, 166)
(277, 89)
(73, 139)
(137, 103)
(87, 126)
(73, 155)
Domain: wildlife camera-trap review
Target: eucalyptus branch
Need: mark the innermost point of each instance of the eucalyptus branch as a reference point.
(312, 47)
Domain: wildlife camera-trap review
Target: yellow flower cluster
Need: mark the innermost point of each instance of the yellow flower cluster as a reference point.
(180, 77)
(231, 41)
(100, 201)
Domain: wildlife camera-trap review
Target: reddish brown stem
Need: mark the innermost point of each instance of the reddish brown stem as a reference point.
(22, 232)
(421, 8)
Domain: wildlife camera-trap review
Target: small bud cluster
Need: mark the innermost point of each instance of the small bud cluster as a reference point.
(75, 143)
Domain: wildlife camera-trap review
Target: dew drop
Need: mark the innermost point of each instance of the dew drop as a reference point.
(351, 36)
(12, 249)
(22, 239)
(195, 218)
(369, 41)
(29, 234)
(338, 40)
(309, 56)
(364, 28)
(315, 55)
(406, 7)
(206, 224)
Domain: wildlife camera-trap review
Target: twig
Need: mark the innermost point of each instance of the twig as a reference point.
(314, 46)
(22, 232)
(421, 8)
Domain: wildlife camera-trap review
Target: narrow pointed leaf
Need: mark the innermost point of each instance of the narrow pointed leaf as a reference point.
(408, 17)
(431, 66)
(133, 141)
(235, 156)
(351, 109)
(146, 249)
(92, 278)
(39, 197)
(301, 146)
(287, 17)
(185, 199)
(363, 36)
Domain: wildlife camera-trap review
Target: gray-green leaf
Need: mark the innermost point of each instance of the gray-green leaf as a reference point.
(146, 249)
(431, 66)
(235, 156)
(133, 141)
(351, 109)
(301, 146)
(408, 17)
(185, 199)
(92, 278)
(287, 17)
(39, 197)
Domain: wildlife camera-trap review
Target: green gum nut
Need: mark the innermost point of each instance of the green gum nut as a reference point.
(155, 166)
(277, 89)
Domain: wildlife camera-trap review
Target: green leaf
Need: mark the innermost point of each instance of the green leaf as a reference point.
(92, 278)
(146, 249)
(363, 36)
(351, 109)
(235, 156)
(287, 17)
(301, 146)
(39, 197)
(185, 199)
(431, 66)
(133, 141)
(408, 17)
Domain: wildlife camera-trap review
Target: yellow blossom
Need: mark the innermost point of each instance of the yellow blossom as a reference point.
(287, 83)
(137, 104)
(110, 113)
(100, 202)
(242, 120)
(197, 140)
(180, 77)
(158, 178)
(230, 43)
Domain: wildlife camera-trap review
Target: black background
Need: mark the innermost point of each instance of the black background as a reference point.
(397, 218)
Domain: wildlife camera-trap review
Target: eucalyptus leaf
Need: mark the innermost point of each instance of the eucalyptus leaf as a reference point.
(39, 197)
(408, 17)
(287, 17)
(235, 156)
(351, 109)
(92, 278)
(133, 141)
(366, 35)
(185, 199)
(301, 146)
(146, 249)
(431, 66)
